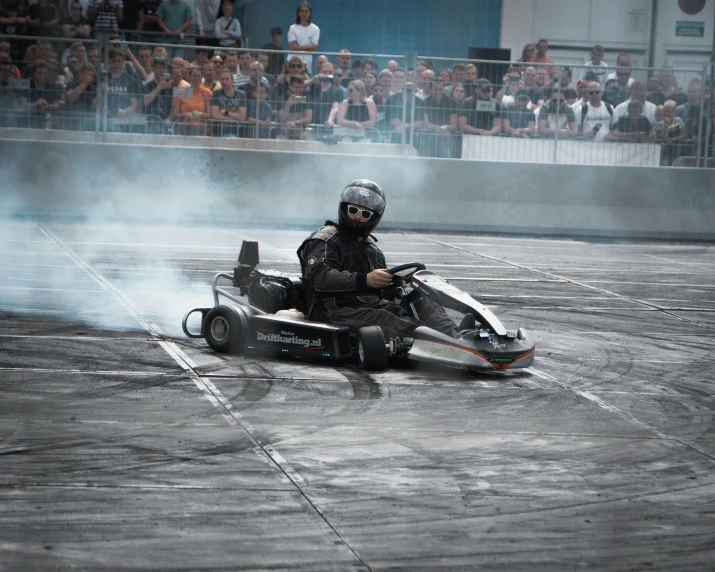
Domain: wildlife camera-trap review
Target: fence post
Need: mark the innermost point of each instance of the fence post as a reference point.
(700, 118)
(404, 105)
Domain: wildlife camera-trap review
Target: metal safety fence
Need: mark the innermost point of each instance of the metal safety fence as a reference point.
(430, 106)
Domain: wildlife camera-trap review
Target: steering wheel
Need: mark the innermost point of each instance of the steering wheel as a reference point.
(400, 281)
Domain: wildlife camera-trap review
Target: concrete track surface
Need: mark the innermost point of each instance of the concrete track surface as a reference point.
(127, 446)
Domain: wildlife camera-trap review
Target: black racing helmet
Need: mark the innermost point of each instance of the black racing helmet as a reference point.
(364, 193)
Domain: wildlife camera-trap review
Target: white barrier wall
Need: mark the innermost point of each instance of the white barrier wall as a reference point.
(219, 186)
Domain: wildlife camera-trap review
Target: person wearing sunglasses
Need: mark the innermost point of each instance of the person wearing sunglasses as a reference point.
(482, 114)
(594, 116)
(348, 272)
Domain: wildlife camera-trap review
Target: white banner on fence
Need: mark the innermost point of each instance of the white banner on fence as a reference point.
(479, 148)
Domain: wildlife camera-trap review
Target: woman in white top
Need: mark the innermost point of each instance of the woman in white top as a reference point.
(228, 29)
(303, 36)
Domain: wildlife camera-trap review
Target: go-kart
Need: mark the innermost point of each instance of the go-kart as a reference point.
(278, 313)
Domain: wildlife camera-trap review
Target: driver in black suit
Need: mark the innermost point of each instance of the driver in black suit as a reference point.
(348, 271)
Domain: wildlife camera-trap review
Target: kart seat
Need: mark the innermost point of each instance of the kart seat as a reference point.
(314, 306)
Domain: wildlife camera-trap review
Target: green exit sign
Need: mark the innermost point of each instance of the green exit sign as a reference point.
(690, 29)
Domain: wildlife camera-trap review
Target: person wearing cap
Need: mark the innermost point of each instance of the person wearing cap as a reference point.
(482, 114)
(518, 120)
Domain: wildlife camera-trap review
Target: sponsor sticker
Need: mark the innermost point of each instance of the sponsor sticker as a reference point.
(288, 338)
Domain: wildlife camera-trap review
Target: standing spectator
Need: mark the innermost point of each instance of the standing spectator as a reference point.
(594, 117)
(540, 57)
(242, 75)
(158, 95)
(482, 114)
(123, 90)
(227, 28)
(296, 112)
(518, 120)
(536, 93)
(344, 62)
(326, 95)
(370, 81)
(392, 65)
(255, 70)
(623, 60)
(596, 65)
(542, 77)
(147, 19)
(620, 91)
(8, 98)
(570, 95)
(398, 80)
(205, 12)
(446, 75)
(385, 79)
(556, 117)
(653, 84)
(671, 130)
(105, 16)
(42, 97)
(43, 19)
(357, 111)
(293, 67)
(439, 115)
(228, 107)
(275, 58)
(303, 36)
(667, 89)
(458, 75)
(634, 127)
(511, 84)
(458, 93)
(378, 97)
(81, 99)
(424, 76)
(338, 82)
(689, 111)
(75, 25)
(231, 62)
(397, 104)
(93, 56)
(193, 109)
(174, 17)
(12, 23)
(208, 72)
(72, 69)
(259, 114)
(264, 61)
(564, 79)
(527, 55)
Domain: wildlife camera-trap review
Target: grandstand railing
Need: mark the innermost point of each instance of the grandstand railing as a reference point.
(461, 128)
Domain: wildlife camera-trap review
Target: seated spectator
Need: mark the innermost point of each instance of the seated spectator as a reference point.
(518, 120)
(227, 28)
(596, 65)
(276, 60)
(638, 93)
(634, 127)
(482, 114)
(594, 117)
(296, 112)
(325, 95)
(228, 107)
(357, 111)
(671, 130)
(81, 99)
(439, 120)
(620, 91)
(75, 25)
(158, 96)
(193, 107)
(42, 97)
(667, 89)
(556, 118)
(259, 115)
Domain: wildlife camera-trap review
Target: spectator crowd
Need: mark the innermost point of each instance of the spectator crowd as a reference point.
(81, 69)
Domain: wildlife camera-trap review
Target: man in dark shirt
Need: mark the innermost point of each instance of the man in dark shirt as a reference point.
(396, 105)
(634, 127)
(80, 99)
(517, 120)
(324, 94)
(123, 90)
(158, 94)
(439, 115)
(275, 60)
(148, 20)
(43, 97)
(481, 114)
(228, 107)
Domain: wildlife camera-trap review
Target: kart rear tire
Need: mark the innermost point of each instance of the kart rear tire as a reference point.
(225, 329)
(371, 350)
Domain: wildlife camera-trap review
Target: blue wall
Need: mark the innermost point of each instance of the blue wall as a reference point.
(430, 27)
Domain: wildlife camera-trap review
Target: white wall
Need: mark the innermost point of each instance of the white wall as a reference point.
(619, 25)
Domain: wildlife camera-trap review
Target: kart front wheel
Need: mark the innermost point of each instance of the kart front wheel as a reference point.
(225, 329)
(372, 351)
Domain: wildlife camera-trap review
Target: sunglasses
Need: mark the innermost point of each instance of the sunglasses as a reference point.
(295, 65)
(593, 92)
(363, 213)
